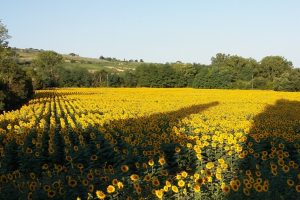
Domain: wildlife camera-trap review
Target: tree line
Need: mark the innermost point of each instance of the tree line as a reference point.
(17, 82)
(225, 71)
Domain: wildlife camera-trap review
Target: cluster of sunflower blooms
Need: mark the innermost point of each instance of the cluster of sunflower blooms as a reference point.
(120, 143)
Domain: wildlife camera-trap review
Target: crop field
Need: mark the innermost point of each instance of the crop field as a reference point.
(121, 143)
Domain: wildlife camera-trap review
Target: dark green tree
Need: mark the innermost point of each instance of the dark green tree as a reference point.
(130, 79)
(272, 67)
(288, 81)
(15, 86)
(114, 80)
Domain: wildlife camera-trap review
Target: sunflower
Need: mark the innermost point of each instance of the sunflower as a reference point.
(258, 187)
(124, 168)
(209, 165)
(29, 196)
(234, 186)
(248, 185)
(32, 186)
(246, 191)
(137, 165)
(75, 148)
(168, 183)
(134, 177)
(68, 158)
(226, 189)
(111, 189)
(120, 185)
(265, 188)
(159, 193)
(175, 188)
(280, 156)
(100, 194)
(85, 182)
(45, 166)
(51, 193)
(136, 185)
(91, 188)
(61, 191)
(145, 166)
(151, 162)
(166, 188)
(248, 172)
(162, 161)
(274, 172)
(219, 176)
(32, 175)
(273, 166)
(285, 169)
(221, 160)
(258, 173)
(164, 172)
(177, 149)
(90, 176)
(114, 182)
(155, 182)
(184, 174)
(94, 157)
(259, 180)
(196, 188)
(56, 184)
(281, 146)
(290, 182)
(138, 190)
(181, 183)
(46, 187)
(72, 183)
(147, 178)
(297, 187)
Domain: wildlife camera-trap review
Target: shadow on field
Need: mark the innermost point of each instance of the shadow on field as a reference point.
(274, 131)
(148, 137)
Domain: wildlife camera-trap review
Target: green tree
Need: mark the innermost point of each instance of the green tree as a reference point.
(130, 79)
(143, 73)
(288, 81)
(46, 65)
(214, 77)
(114, 80)
(272, 67)
(15, 86)
(77, 77)
(99, 78)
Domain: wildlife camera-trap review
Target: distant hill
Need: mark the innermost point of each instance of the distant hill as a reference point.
(72, 60)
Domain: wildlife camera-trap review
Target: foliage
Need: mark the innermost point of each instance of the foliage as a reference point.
(15, 86)
(225, 71)
(288, 81)
(46, 68)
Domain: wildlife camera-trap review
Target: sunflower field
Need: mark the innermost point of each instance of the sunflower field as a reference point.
(122, 143)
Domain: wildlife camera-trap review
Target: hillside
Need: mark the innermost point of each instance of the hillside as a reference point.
(25, 56)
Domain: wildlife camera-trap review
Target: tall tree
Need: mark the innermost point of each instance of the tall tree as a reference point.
(46, 65)
(272, 67)
(15, 86)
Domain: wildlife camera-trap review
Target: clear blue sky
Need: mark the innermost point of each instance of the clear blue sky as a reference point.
(157, 30)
